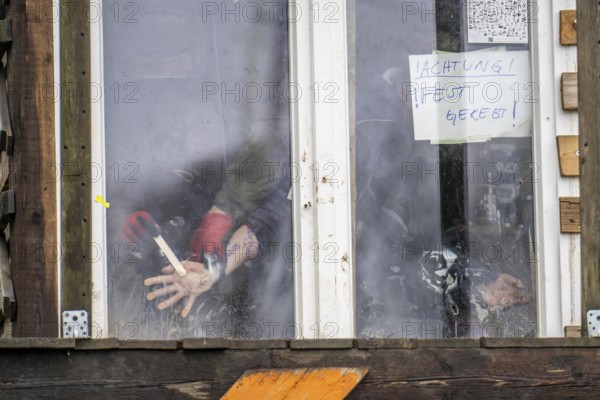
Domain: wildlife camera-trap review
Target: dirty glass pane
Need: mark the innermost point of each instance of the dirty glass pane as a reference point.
(197, 149)
(445, 239)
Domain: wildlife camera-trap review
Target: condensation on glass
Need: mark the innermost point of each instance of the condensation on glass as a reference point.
(191, 87)
(445, 239)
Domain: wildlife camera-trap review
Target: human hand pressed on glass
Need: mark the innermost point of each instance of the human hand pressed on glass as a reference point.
(506, 291)
(197, 281)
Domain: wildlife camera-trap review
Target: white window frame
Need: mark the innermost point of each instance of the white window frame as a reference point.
(324, 292)
(324, 270)
(559, 265)
(99, 312)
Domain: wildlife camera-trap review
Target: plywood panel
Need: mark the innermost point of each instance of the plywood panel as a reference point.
(296, 384)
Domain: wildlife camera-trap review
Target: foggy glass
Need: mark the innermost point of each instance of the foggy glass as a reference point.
(445, 239)
(191, 87)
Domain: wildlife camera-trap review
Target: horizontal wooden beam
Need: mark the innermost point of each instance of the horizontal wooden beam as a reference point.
(549, 369)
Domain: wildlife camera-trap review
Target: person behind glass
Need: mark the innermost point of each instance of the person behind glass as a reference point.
(247, 214)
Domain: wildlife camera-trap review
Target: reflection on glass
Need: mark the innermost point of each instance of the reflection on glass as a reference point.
(197, 152)
(445, 240)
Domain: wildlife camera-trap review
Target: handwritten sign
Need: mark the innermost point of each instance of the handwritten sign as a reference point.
(470, 97)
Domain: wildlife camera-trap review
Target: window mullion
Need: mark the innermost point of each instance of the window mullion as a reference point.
(320, 148)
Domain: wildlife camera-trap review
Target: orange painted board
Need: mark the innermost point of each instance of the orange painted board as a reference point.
(296, 384)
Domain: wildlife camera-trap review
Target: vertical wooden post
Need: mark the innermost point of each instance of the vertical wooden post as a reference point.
(76, 157)
(588, 57)
(31, 100)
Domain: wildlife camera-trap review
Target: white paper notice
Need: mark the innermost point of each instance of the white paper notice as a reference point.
(499, 21)
(469, 97)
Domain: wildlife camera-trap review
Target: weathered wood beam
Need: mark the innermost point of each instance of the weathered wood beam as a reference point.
(76, 197)
(588, 57)
(30, 73)
(492, 369)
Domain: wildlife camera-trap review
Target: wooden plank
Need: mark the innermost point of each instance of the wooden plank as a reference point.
(30, 72)
(6, 132)
(570, 215)
(568, 153)
(321, 344)
(588, 60)
(37, 343)
(112, 344)
(7, 144)
(5, 33)
(494, 373)
(296, 384)
(4, 170)
(8, 304)
(568, 27)
(568, 90)
(378, 343)
(7, 207)
(230, 344)
(572, 331)
(447, 343)
(414, 343)
(539, 342)
(76, 290)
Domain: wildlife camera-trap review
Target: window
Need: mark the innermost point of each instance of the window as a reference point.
(196, 123)
(412, 195)
(445, 224)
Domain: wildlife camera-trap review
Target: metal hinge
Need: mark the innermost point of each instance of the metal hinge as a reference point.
(75, 324)
(593, 322)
